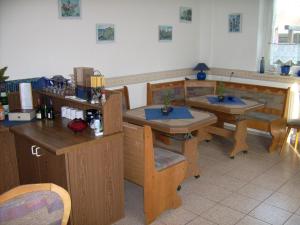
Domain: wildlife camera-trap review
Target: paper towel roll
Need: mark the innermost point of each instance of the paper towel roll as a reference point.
(26, 96)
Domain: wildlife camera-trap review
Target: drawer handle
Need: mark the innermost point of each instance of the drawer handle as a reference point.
(37, 153)
(33, 147)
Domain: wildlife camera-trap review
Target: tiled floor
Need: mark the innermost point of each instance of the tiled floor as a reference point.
(257, 188)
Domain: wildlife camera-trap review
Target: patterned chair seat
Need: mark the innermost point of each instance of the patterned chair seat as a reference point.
(165, 158)
(262, 116)
(35, 208)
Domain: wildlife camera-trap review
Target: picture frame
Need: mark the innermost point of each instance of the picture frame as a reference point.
(235, 23)
(185, 14)
(105, 33)
(165, 33)
(69, 9)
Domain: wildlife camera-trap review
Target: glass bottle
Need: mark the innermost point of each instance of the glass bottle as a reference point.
(262, 65)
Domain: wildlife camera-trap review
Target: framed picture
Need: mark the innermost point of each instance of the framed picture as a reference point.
(185, 14)
(105, 33)
(165, 33)
(69, 8)
(235, 23)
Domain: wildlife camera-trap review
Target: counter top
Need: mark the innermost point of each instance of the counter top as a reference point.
(54, 135)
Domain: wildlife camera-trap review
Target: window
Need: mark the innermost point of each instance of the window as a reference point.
(285, 45)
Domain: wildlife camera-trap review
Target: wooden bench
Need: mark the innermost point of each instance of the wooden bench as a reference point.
(271, 118)
(157, 170)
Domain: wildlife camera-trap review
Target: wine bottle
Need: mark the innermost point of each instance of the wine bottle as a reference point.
(4, 101)
(45, 110)
(39, 112)
(50, 112)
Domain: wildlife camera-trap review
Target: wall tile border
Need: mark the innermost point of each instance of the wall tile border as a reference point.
(154, 76)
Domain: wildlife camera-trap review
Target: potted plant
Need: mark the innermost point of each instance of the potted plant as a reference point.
(3, 78)
(166, 109)
(220, 91)
(285, 67)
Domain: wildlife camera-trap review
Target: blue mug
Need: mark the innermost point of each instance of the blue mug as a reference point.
(298, 73)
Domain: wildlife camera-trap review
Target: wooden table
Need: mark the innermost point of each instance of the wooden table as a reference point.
(177, 126)
(235, 114)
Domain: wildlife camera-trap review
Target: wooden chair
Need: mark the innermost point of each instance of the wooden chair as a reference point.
(194, 88)
(125, 98)
(295, 123)
(157, 170)
(42, 204)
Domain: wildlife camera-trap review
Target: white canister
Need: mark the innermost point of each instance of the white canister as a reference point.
(68, 113)
(72, 114)
(63, 111)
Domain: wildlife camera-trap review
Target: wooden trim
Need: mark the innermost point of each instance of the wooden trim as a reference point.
(24, 189)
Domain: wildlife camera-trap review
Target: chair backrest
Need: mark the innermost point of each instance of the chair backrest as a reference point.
(275, 99)
(157, 92)
(125, 98)
(134, 153)
(194, 88)
(43, 204)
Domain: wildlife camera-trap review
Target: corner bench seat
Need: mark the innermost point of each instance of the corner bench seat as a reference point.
(271, 118)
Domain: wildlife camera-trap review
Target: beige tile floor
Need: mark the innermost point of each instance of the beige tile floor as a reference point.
(257, 188)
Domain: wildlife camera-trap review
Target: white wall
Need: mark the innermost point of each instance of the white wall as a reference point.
(35, 42)
(234, 50)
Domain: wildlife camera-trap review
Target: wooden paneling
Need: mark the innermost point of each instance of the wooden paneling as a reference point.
(52, 168)
(27, 163)
(97, 173)
(9, 176)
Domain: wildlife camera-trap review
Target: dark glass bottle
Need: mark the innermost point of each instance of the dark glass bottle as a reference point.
(262, 65)
(45, 110)
(39, 112)
(50, 111)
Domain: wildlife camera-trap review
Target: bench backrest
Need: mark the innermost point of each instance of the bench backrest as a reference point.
(157, 92)
(275, 99)
(194, 88)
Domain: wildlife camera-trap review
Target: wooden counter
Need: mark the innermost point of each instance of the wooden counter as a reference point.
(89, 168)
(45, 134)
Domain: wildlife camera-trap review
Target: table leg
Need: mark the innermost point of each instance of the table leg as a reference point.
(239, 137)
(203, 135)
(190, 151)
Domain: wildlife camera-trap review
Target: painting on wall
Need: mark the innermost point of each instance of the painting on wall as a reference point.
(235, 23)
(185, 14)
(105, 32)
(69, 8)
(165, 33)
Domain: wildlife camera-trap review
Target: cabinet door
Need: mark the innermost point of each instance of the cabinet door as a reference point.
(27, 163)
(52, 168)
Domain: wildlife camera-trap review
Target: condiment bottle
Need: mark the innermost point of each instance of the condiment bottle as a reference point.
(2, 113)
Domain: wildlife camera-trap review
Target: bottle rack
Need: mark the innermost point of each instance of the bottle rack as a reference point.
(111, 110)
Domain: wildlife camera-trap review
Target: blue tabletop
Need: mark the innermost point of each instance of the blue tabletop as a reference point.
(228, 100)
(176, 113)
